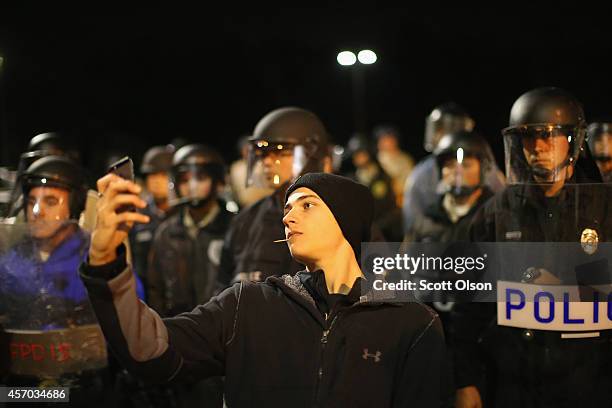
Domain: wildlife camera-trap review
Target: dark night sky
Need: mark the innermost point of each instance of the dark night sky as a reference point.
(127, 79)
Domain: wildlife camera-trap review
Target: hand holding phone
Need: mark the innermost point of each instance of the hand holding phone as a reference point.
(124, 168)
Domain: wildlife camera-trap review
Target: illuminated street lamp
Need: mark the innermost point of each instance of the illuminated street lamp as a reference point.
(348, 59)
(367, 57)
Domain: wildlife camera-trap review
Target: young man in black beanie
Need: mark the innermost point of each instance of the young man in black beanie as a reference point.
(300, 341)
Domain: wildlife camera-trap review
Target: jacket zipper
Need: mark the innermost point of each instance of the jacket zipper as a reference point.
(323, 340)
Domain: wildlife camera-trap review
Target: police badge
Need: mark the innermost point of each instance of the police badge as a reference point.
(589, 240)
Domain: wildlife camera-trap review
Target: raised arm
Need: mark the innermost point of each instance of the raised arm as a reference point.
(189, 345)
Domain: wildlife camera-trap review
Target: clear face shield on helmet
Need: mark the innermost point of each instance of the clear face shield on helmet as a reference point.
(47, 210)
(271, 164)
(541, 154)
(461, 173)
(600, 143)
(440, 123)
(52, 327)
(191, 184)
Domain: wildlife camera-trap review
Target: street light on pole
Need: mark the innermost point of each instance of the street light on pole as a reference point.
(348, 59)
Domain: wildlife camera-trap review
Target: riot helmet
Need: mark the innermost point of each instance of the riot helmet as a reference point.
(600, 143)
(360, 150)
(446, 118)
(387, 138)
(545, 136)
(285, 144)
(464, 159)
(57, 144)
(51, 141)
(25, 160)
(155, 166)
(157, 159)
(54, 192)
(197, 173)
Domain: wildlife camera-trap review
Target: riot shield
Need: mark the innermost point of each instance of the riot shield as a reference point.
(50, 333)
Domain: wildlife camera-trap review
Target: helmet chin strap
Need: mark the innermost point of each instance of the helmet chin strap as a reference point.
(548, 174)
(457, 191)
(462, 191)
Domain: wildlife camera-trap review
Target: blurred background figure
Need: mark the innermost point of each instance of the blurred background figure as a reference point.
(600, 143)
(286, 143)
(420, 191)
(245, 196)
(395, 162)
(336, 155)
(186, 249)
(367, 171)
(463, 159)
(154, 169)
(55, 143)
(184, 259)
(7, 183)
(155, 166)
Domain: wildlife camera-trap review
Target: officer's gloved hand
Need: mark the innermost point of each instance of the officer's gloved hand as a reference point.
(540, 276)
(468, 397)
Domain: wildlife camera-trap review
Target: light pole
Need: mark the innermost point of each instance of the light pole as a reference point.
(349, 59)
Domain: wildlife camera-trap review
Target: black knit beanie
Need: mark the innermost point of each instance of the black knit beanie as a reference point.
(351, 203)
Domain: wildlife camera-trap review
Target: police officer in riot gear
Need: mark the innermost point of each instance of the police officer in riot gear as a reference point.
(463, 160)
(600, 143)
(186, 251)
(286, 143)
(155, 168)
(54, 191)
(42, 298)
(420, 190)
(555, 194)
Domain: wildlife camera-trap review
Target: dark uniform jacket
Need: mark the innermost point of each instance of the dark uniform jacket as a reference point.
(436, 226)
(249, 245)
(183, 271)
(141, 238)
(532, 368)
(276, 345)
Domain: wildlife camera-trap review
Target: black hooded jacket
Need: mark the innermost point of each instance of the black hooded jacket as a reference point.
(282, 343)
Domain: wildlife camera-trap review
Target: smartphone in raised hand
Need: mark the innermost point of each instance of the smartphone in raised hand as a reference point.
(124, 168)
